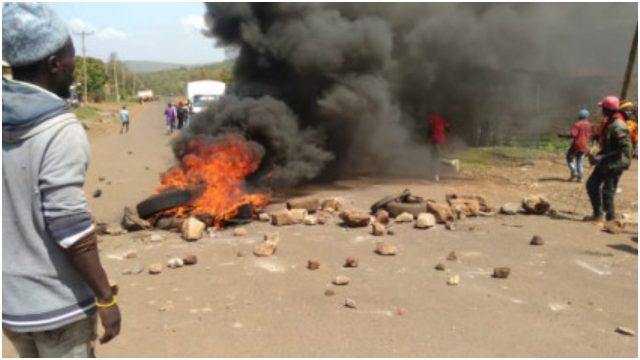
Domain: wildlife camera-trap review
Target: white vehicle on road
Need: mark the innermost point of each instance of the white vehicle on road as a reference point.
(200, 93)
(145, 95)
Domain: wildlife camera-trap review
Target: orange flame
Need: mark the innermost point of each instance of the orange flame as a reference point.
(219, 170)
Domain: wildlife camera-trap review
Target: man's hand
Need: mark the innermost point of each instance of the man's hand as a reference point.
(597, 159)
(594, 160)
(84, 257)
(110, 319)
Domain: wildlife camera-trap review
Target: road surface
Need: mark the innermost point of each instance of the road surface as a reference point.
(562, 299)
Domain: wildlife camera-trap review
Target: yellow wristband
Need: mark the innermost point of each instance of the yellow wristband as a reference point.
(110, 304)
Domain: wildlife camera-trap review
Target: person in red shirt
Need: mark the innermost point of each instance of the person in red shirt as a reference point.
(438, 127)
(580, 133)
(437, 131)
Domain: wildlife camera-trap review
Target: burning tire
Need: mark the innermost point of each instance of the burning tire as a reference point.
(163, 201)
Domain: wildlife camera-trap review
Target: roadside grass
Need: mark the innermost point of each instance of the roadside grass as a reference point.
(514, 154)
(87, 113)
(105, 112)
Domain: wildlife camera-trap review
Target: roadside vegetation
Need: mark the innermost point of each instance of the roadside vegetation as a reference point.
(87, 113)
(113, 81)
(105, 112)
(515, 154)
(110, 81)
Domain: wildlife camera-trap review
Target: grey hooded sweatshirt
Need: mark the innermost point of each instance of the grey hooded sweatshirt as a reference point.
(45, 154)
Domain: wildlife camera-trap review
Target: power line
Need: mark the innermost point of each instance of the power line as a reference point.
(83, 34)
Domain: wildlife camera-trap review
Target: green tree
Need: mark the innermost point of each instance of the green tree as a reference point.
(96, 77)
(225, 75)
(113, 75)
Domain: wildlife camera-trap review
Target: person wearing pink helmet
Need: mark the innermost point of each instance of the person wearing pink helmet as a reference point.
(613, 157)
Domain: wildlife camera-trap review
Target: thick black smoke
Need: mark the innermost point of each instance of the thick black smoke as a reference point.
(338, 89)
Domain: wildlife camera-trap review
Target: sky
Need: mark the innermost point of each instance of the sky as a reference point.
(164, 32)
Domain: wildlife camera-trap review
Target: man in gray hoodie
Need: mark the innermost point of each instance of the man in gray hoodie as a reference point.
(53, 283)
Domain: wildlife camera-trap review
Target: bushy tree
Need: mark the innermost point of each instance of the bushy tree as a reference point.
(225, 75)
(96, 78)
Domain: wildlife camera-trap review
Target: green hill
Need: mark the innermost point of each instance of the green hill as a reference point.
(141, 66)
(173, 82)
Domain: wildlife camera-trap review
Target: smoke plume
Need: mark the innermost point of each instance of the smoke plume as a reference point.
(331, 90)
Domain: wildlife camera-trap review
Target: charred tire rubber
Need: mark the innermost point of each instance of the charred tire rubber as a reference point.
(163, 201)
(380, 204)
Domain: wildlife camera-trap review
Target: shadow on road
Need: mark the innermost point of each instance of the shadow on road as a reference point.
(566, 216)
(554, 178)
(624, 247)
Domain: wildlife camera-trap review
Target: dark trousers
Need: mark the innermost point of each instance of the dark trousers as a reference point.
(577, 167)
(435, 159)
(601, 188)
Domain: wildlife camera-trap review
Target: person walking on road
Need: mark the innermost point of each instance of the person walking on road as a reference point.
(52, 281)
(187, 118)
(438, 127)
(580, 133)
(170, 118)
(613, 157)
(179, 115)
(437, 133)
(183, 115)
(124, 118)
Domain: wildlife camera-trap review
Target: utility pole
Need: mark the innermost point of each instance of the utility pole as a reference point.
(124, 81)
(115, 79)
(83, 34)
(632, 60)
